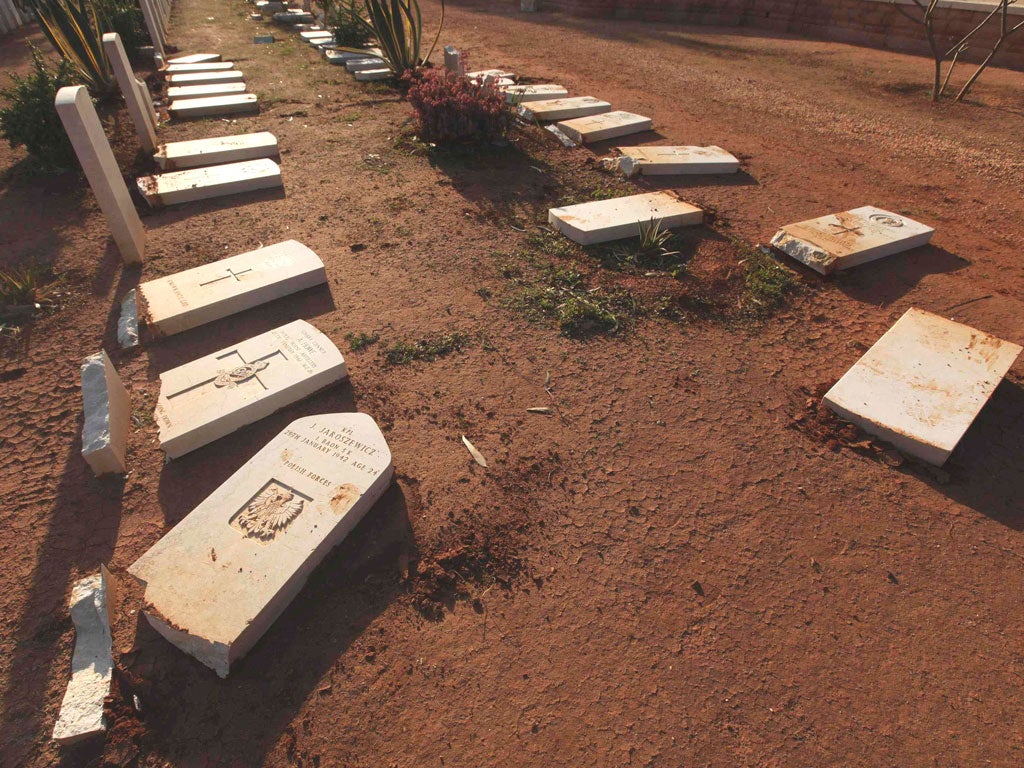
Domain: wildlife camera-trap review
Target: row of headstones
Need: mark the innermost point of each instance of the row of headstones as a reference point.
(883, 392)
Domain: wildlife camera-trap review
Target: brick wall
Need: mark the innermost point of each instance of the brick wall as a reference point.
(861, 22)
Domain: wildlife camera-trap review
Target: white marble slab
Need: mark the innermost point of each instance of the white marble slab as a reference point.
(357, 65)
(923, 383)
(195, 58)
(184, 300)
(609, 125)
(214, 106)
(177, 93)
(368, 75)
(136, 95)
(204, 78)
(221, 577)
(521, 94)
(495, 73)
(210, 66)
(670, 161)
(92, 664)
(215, 395)
(107, 410)
(553, 110)
(193, 184)
(844, 240)
(195, 153)
(601, 221)
(312, 34)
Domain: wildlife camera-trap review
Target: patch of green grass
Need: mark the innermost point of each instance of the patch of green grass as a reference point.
(550, 243)
(351, 118)
(360, 341)
(27, 285)
(427, 349)
(768, 284)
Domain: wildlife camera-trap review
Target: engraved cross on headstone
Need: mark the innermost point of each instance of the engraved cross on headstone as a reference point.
(230, 273)
(236, 375)
(842, 229)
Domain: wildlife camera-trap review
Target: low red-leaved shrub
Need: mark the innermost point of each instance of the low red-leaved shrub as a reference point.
(452, 110)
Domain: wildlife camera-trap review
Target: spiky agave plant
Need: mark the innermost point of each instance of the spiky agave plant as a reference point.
(75, 29)
(398, 27)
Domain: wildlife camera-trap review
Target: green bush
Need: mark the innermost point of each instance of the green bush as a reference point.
(349, 29)
(125, 18)
(30, 118)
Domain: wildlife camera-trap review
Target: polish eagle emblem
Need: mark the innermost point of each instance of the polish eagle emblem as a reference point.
(235, 376)
(269, 513)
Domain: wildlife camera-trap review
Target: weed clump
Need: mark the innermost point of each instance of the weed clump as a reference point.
(360, 341)
(425, 350)
(453, 110)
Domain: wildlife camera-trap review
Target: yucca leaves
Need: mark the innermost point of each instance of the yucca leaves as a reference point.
(75, 29)
(398, 27)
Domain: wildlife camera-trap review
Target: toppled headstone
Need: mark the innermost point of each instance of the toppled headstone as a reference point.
(195, 58)
(553, 110)
(314, 34)
(193, 184)
(181, 301)
(520, 94)
(81, 712)
(923, 383)
(215, 395)
(178, 93)
(483, 74)
(214, 106)
(128, 322)
(609, 125)
(210, 66)
(221, 577)
(370, 62)
(601, 221)
(107, 412)
(224, 149)
(369, 75)
(262, 39)
(844, 240)
(204, 78)
(667, 161)
(82, 124)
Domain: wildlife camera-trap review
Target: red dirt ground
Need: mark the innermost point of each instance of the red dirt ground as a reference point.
(682, 566)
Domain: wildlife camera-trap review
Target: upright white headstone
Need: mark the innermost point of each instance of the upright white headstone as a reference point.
(848, 239)
(136, 94)
(215, 395)
(175, 303)
(219, 579)
(81, 711)
(604, 220)
(107, 410)
(93, 151)
(453, 61)
(923, 383)
(154, 25)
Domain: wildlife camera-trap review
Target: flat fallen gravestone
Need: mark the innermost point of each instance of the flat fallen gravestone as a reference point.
(224, 149)
(923, 383)
(357, 65)
(210, 66)
(601, 221)
(178, 302)
(483, 74)
(195, 58)
(107, 410)
(221, 577)
(520, 94)
(181, 92)
(553, 110)
(670, 161)
(370, 75)
(204, 78)
(215, 395)
(844, 240)
(610, 125)
(81, 711)
(214, 106)
(193, 184)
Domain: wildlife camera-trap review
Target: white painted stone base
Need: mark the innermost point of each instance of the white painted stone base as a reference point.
(210, 66)
(216, 151)
(602, 221)
(193, 184)
(220, 578)
(610, 125)
(205, 78)
(185, 300)
(107, 410)
(214, 106)
(553, 110)
(923, 383)
(81, 712)
(178, 93)
(195, 58)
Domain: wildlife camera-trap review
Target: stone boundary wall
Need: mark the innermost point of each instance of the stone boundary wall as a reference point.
(873, 23)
